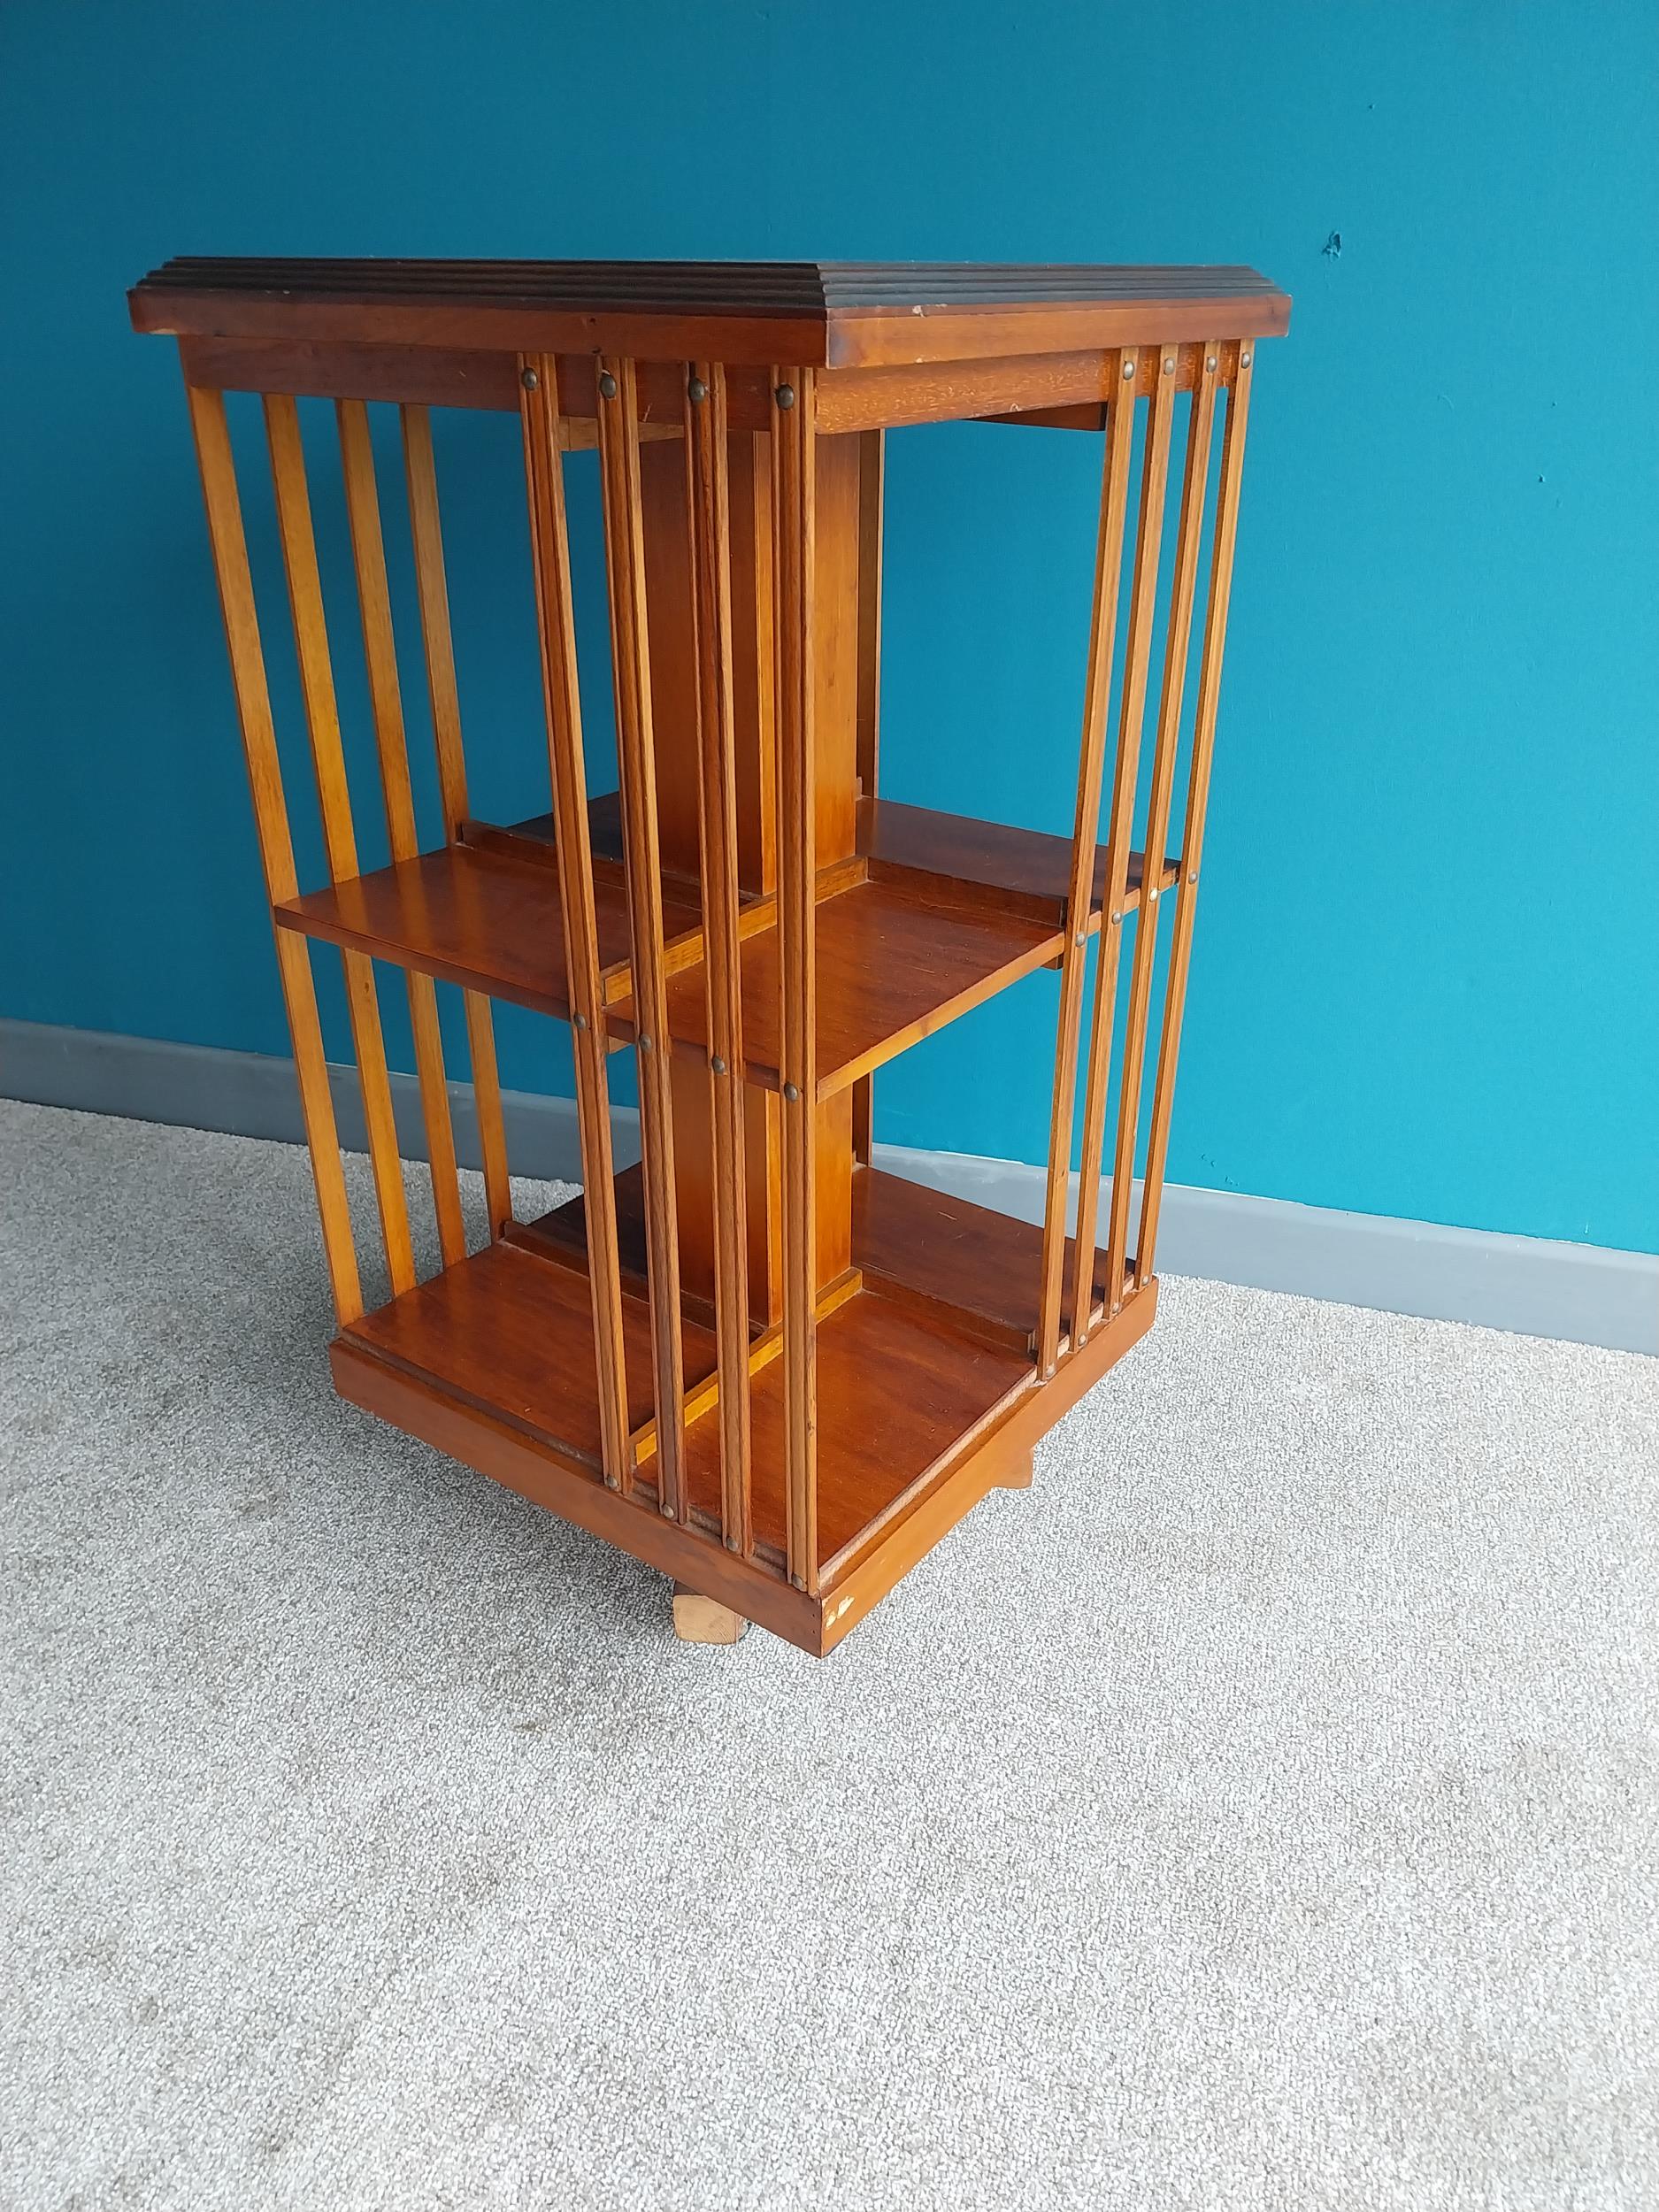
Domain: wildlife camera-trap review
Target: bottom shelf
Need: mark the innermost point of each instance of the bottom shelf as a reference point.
(510, 1332)
(927, 1394)
(974, 1269)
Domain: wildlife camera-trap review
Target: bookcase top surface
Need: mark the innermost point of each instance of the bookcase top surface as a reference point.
(807, 314)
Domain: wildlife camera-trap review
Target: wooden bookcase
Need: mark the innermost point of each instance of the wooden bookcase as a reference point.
(757, 1360)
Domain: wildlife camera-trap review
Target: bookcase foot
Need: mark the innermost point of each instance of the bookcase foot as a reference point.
(700, 1620)
(1017, 1474)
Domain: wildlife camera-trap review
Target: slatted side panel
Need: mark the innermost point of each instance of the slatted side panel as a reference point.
(431, 591)
(322, 720)
(1177, 634)
(636, 763)
(276, 850)
(1224, 538)
(550, 554)
(794, 521)
(1114, 1104)
(710, 515)
(374, 604)
(1103, 632)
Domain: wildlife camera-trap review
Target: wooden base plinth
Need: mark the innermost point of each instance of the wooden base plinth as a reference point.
(700, 1620)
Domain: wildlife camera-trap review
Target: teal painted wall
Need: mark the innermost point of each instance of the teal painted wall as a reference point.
(1426, 980)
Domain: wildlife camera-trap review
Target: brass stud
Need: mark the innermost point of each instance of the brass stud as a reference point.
(529, 380)
(607, 386)
(1081, 938)
(1245, 360)
(645, 1044)
(612, 1483)
(791, 1094)
(1116, 917)
(579, 1021)
(1209, 360)
(1169, 362)
(785, 396)
(1129, 368)
(697, 388)
(717, 1064)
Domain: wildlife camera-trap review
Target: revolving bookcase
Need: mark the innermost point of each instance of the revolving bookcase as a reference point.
(757, 1360)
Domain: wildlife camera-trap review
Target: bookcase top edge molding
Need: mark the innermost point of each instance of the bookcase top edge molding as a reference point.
(758, 1360)
(831, 315)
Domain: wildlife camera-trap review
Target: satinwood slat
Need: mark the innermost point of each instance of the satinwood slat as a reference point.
(1118, 859)
(374, 601)
(1224, 539)
(1177, 635)
(794, 536)
(710, 497)
(1131, 719)
(630, 660)
(276, 848)
(432, 590)
(322, 722)
(1079, 905)
(550, 545)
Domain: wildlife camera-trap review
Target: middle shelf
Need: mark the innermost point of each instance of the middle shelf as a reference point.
(934, 914)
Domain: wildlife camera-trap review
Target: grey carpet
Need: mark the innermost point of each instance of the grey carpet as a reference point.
(1260, 1813)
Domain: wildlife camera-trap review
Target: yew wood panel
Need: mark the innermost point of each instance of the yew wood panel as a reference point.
(1032, 866)
(834, 314)
(428, 376)
(964, 855)
(890, 970)
(479, 919)
(929, 1248)
(976, 1270)
(513, 1332)
(863, 1574)
(837, 467)
(561, 1235)
(895, 1393)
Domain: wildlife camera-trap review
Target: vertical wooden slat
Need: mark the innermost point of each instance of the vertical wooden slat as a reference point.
(432, 593)
(1120, 418)
(322, 720)
(709, 493)
(793, 529)
(871, 498)
(492, 1127)
(1177, 635)
(276, 850)
(1225, 537)
(871, 495)
(374, 603)
(550, 554)
(1129, 746)
(631, 672)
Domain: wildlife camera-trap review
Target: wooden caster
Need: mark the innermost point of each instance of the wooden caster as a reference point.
(700, 1620)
